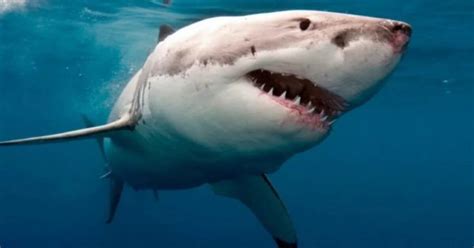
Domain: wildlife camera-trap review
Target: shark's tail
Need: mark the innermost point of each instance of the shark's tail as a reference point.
(124, 123)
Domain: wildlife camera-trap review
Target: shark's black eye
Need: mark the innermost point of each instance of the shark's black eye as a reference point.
(304, 24)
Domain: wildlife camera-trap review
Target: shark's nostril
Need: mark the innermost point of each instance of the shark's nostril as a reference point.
(340, 40)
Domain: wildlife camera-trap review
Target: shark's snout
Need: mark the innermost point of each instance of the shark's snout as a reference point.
(395, 33)
(401, 28)
(401, 33)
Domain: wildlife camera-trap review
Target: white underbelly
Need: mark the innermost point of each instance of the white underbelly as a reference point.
(141, 168)
(145, 159)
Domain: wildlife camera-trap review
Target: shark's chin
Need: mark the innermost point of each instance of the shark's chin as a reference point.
(307, 103)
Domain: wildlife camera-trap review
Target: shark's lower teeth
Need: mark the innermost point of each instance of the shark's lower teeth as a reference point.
(301, 91)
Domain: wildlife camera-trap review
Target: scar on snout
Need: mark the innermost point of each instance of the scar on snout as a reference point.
(253, 50)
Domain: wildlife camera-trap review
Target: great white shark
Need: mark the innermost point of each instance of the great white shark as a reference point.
(227, 100)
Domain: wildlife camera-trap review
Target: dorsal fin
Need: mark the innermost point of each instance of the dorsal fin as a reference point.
(124, 123)
(165, 31)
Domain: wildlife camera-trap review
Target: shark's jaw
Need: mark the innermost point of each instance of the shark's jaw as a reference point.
(312, 105)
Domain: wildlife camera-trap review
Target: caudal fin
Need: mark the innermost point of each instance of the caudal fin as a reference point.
(124, 123)
(116, 188)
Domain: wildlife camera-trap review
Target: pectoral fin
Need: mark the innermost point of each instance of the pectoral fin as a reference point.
(124, 123)
(258, 194)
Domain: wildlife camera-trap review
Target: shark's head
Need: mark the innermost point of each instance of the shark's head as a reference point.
(276, 81)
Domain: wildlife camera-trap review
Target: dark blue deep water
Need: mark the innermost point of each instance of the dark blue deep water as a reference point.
(396, 173)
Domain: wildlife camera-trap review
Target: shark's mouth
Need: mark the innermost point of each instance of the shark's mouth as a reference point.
(316, 105)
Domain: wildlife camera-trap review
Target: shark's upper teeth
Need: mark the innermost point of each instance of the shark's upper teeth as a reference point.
(271, 91)
(297, 100)
(332, 122)
(304, 93)
(321, 114)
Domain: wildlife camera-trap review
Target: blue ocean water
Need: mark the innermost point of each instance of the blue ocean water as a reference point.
(395, 173)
